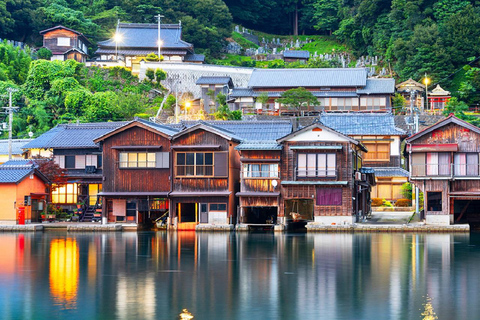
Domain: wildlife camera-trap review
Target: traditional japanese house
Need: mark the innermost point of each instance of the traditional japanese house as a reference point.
(259, 196)
(412, 88)
(211, 87)
(73, 148)
(205, 177)
(22, 185)
(437, 99)
(337, 90)
(65, 43)
(378, 133)
(17, 152)
(444, 165)
(135, 41)
(321, 178)
(301, 56)
(136, 167)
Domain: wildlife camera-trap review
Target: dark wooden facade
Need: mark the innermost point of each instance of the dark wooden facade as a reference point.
(191, 193)
(444, 165)
(142, 188)
(65, 43)
(344, 178)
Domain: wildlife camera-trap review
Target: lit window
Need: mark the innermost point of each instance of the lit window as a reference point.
(140, 160)
(65, 194)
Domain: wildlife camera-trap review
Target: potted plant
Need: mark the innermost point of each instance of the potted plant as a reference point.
(80, 204)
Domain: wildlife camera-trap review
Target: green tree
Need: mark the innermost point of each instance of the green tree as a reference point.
(298, 98)
(326, 15)
(44, 53)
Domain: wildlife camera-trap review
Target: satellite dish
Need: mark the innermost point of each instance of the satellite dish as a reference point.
(274, 183)
(30, 134)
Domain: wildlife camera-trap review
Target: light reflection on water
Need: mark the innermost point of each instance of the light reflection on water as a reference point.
(238, 276)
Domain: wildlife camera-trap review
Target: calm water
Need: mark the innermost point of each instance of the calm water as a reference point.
(238, 276)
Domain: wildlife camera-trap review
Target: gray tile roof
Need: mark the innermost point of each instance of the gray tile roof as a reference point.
(245, 92)
(252, 130)
(296, 54)
(424, 121)
(14, 174)
(291, 78)
(241, 92)
(362, 123)
(139, 52)
(69, 136)
(214, 80)
(17, 145)
(378, 86)
(259, 145)
(159, 127)
(144, 35)
(16, 163)
(390, 172)
(194, 58)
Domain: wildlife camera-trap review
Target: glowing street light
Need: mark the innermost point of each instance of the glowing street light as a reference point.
(188, 105)
(426, 81)
(117, 37)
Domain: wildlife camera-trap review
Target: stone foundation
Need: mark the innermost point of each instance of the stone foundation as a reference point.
(215, 227)
(21, 228)
(439, 220)
(333, 220)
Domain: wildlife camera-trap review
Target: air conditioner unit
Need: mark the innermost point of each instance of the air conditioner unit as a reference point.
(358, 175)
(90, 169)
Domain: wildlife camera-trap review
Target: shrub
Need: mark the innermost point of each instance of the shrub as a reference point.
(44, 53)
(407, 190)
(403, 203)
(387, 204)
(151, 57)
(377, 202)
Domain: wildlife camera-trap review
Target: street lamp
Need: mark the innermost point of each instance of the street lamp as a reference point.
(117, 37)
(188, 104)
(426, 81)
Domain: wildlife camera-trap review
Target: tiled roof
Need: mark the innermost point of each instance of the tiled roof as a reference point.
(69, 136)
(424, 121)
(17, 145)
(214, 80)
(390, 172)
(159, 127)
(296, 54)
(253, 130)
(139, 52)
(144, 35)
(259, 145)
(194, 58)
(378, 86)
(14, 174)
(291, 78)
(241, 92)
(245, 92)
(17, 163)
(361, 123)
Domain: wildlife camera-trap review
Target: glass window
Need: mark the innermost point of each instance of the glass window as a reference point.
(316, 165)
(65, 194)
(434, 201)
(137, 160)
(194, 164)
(63, 42)
(218, 207)
(254, 170)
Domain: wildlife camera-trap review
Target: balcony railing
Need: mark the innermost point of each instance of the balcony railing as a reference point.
(315, 173)
(260, 174)
(445, 170)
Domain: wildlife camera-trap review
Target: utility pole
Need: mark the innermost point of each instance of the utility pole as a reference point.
(10, 109)
(414, 115)
(159, 41)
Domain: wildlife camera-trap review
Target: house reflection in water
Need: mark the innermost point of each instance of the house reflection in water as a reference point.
(64, 272)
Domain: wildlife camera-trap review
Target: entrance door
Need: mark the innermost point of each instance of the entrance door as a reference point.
(131, 213)
(203, 213)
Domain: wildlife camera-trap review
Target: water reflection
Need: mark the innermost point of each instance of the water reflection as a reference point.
(238, 276)
(64, 272)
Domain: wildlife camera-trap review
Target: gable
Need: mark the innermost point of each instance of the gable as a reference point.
(314, 134)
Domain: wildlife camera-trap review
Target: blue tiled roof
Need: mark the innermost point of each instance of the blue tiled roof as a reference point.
(241, 92)
(144, 35)
(253, 130)
(390, 172)
(16, 163)
(67, 136)
(194, 58)
(361, 123)
(17, 145)
(159, 127)
(296, 54)
(291, 78)
(378, 86)
(214, 80)
(14, 174)
(259, 145)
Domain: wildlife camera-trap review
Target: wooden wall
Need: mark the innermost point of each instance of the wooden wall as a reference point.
(50, 40)
(467, 140)
(134, 180)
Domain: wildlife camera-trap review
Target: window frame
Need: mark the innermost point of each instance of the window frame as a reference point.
(431, 193)
(372, 148)
(194, 166)
(130, 163)
(327, 170)
(248, 174)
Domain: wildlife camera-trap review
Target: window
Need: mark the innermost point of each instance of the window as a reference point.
(438, 164)
(70, 162)
(143, 160)
(316, 165)
(201, 164)
(377, 151)
(434, 201)
(78, 161)
(63, 42)
(218, 207)
(93, 190)
(257, 170)
(466, 164)
(65, 194)
(329, 196)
